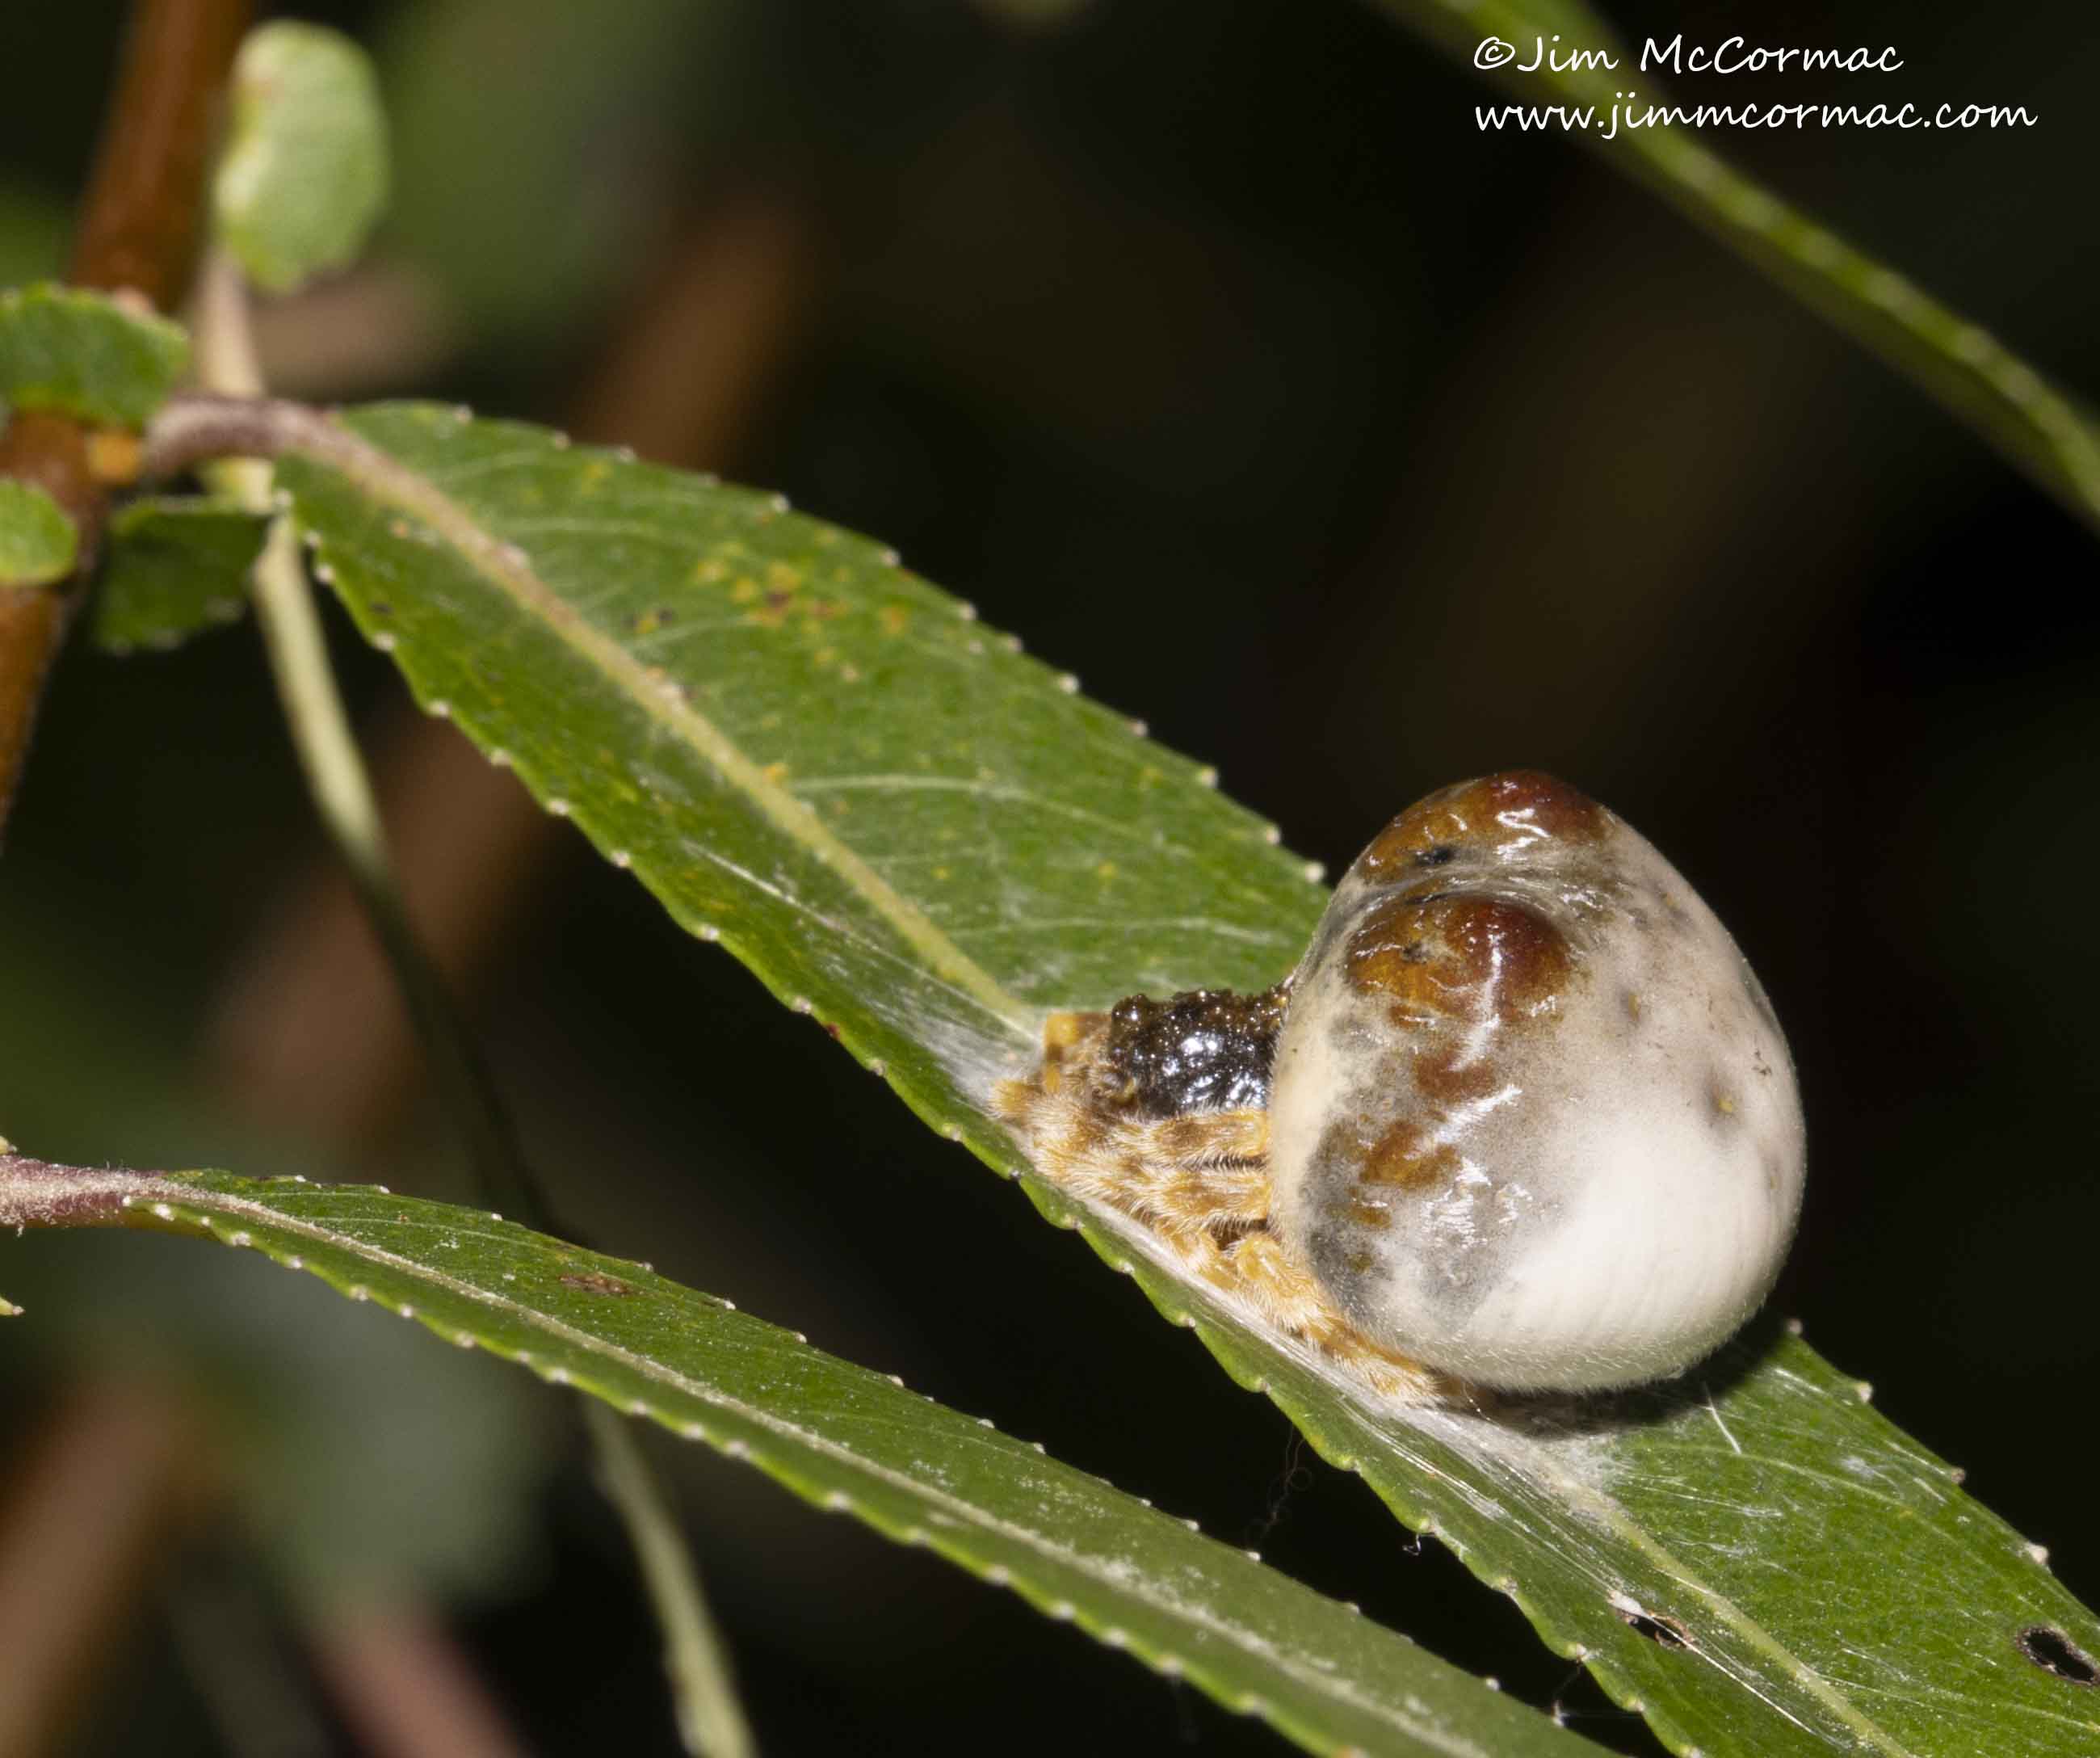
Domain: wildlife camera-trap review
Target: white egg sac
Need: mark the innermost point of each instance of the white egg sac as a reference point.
(1532, 1121)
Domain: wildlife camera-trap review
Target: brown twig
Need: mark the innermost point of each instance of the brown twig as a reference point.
(91, 1504)
(138, 231)
(405, 1689)
(138, 222)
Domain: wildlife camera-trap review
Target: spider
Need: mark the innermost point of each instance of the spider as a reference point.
(1522, 1118)
(1159, 1109)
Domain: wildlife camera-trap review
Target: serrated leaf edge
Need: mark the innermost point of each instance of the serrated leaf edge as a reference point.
(170, 1202)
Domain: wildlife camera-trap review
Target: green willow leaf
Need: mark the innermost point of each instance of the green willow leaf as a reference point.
(912, 831)
(174, 567)
(303, 176)
(2038, 429)
(86, 355)
(844, 1437)
(38, 542)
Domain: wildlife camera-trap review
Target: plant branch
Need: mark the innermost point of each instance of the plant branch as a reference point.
(201, 426)
(137, 232)
(138, 223)
(710, 1719)
(402, 1685)
(327, 748)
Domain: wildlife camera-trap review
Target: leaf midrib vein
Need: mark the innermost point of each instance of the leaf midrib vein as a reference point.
(1204, 1618)
(386, 480)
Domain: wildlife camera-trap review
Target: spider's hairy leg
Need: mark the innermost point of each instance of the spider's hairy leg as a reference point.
(1181, 1175)
(1259, 1270)
(1206, 1173)
(1198, 1183)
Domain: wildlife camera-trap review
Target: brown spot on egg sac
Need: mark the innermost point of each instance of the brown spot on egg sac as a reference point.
(1508, 950)
(1390, 953)
(1483, 957)
(1490, 814)
(1428, 835)
(1531, 797)
(1448, 1077)
(1404, 1155)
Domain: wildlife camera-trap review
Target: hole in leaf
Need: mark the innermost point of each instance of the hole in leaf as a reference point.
(2054, 1652)
(1665, 1632)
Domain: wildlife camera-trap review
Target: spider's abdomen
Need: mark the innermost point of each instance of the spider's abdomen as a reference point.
(1532, 1121)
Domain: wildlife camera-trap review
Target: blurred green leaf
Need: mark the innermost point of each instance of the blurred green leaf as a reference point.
(925, 839)
(38, 542)
(842, 1436)
(86, 355)
(1976, 377)
(537, 131)
(304, 175)
(173, 567)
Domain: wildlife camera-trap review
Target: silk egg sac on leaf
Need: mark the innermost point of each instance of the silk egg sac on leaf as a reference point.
(1531, 1119)
(1521, 1120)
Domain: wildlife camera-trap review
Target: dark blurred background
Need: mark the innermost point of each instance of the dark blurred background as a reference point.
(1214, 351)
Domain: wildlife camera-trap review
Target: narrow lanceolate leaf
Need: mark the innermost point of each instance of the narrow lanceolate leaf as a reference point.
(86, 355)
(2035, 426)
(900, 823)
(304, 175)
(172, 568)
(38, 542)
(925, 838)
(844, 1438)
